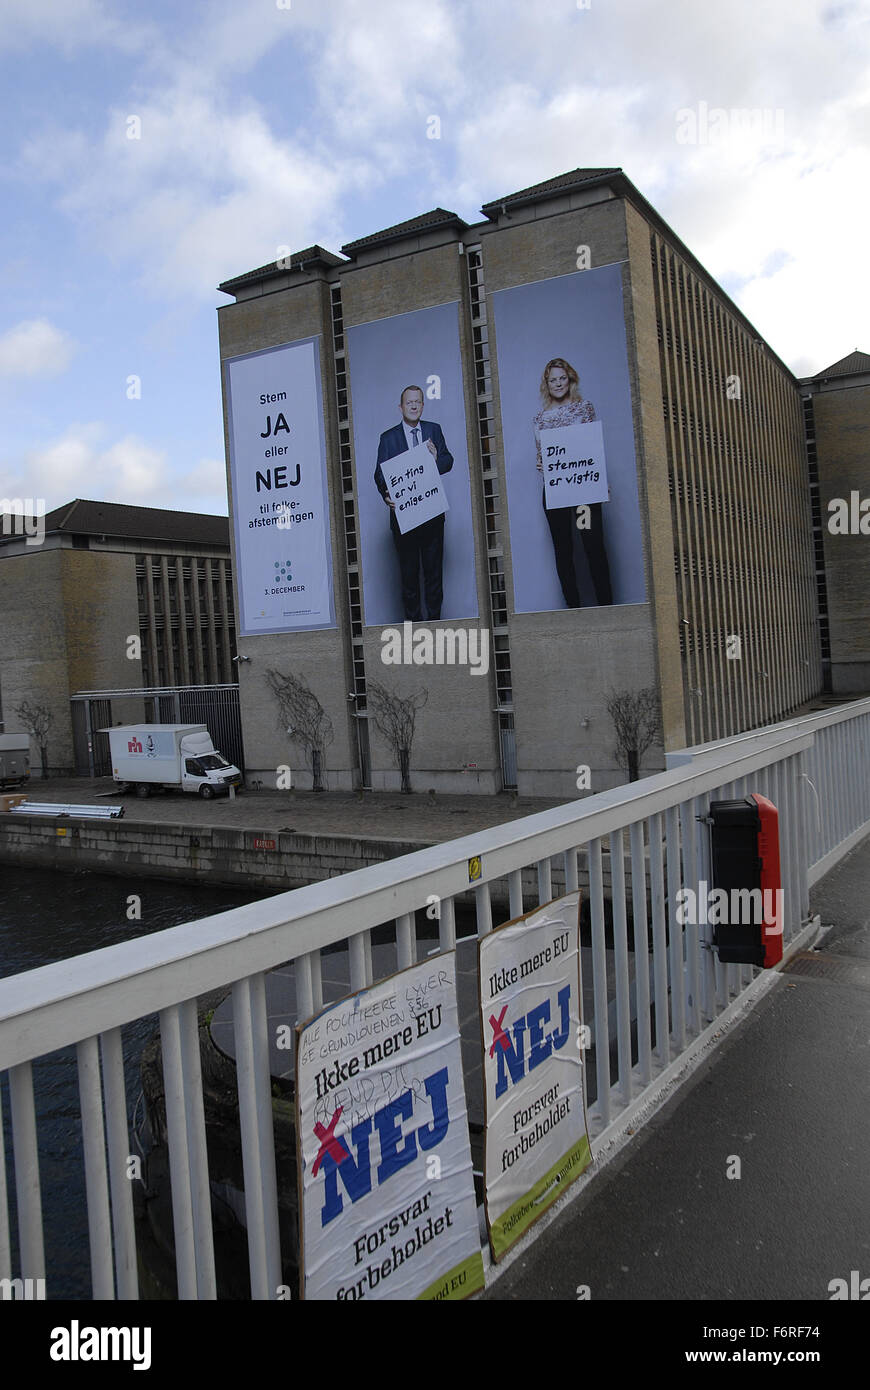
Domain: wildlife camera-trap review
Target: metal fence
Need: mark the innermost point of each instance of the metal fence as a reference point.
(216, 706)
(653, 1006)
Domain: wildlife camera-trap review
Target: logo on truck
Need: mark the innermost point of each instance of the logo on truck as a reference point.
(134, 746)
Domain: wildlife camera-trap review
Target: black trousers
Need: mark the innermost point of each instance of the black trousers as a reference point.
(421, 548)
(562, 522)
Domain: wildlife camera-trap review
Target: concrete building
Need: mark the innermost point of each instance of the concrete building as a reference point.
(112, 598)
(836, 405)
(725, 626)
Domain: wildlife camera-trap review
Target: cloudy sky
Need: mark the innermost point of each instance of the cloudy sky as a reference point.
(151, 151)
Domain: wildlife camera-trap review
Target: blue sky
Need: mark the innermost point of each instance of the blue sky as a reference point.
(265, 124)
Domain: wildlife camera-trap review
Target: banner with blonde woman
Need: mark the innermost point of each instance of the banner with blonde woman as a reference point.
(569, 442)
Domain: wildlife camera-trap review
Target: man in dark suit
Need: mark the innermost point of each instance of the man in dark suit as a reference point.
(422, 546)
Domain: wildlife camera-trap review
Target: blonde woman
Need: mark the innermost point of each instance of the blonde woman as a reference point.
(562, 404)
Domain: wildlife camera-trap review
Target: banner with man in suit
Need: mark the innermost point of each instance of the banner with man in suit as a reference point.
(413, 486)
(417, 502)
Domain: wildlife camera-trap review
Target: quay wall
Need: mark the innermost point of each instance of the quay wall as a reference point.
(240, 857)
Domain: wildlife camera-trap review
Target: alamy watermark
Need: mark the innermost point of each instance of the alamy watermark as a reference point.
(27, 1289)
(77, 1343)
(718, 907)
(414, 645)
(854, 1288)
(719, 125)
(849, 518)
(23, 516)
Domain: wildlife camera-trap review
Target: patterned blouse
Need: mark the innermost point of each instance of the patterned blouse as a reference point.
(565, 413)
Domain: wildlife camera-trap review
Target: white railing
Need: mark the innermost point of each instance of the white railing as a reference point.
(652, 1007)
(840, 795)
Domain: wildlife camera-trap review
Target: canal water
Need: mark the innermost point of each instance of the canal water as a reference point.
(45, 917)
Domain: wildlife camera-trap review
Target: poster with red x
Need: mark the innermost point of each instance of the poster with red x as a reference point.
(536, 1138)
(388, 1209)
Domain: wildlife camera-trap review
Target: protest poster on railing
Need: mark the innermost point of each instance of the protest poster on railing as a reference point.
(388, 1209)
(537, 1142)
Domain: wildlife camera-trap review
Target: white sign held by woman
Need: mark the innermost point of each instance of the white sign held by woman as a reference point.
(575, 471)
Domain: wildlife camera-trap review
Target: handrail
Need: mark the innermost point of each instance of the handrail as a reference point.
(671, 978)
(65, 1002)
(818, 719)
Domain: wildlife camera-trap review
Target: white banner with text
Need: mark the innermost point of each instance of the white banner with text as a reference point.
(386, 1187)
(279, 491)
(536, 1136)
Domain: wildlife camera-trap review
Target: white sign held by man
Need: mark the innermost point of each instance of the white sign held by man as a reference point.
(415, 487)
(386, 1185)
(575, 471)
(536, 1137)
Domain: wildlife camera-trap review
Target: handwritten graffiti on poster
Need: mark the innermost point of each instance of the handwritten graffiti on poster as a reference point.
(386, 1182)
(536, 1137)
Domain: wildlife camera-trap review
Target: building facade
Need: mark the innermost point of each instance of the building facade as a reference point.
(836, 406)
(694, 578)
(112, 598)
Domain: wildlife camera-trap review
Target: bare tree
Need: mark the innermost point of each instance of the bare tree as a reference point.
(637, 722)
(37, 720)
(396, 718)
(304, 719)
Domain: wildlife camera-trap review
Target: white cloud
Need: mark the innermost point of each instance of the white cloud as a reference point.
(72, 25)
(211, 187)
(761, 207)
(196, 197)
(216, 183)
(202, 488)
(35, 348)
(82, 462)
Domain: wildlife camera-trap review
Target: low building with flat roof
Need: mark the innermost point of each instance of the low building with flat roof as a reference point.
(100, 596)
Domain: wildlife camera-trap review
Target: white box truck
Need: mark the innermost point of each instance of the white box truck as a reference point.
(164, 757)
(14, 759)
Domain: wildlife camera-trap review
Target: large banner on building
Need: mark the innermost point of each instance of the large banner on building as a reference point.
(562, 363)
(407, 394)
(536, 1138)
(386, 1187)
(278, 490)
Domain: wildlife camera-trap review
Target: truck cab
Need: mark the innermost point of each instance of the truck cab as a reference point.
(206, 771)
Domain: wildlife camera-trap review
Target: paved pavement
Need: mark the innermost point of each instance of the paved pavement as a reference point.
(788, 1094)
(372, 815)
